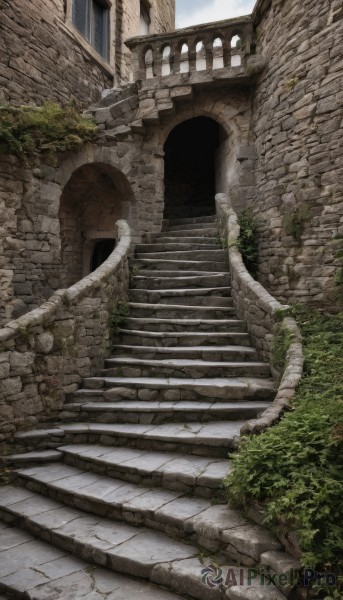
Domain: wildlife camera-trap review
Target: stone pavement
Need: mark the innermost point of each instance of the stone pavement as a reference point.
(124, 492)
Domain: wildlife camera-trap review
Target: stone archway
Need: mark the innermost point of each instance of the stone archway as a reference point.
(94, 198)
(191, 164)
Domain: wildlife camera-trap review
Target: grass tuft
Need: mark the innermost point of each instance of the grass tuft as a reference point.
(27, 131)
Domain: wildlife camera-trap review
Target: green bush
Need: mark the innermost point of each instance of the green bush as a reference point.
(119, 313)
(295, 469)
(248, 240)
(294, 223)
(26, 131)
(281, 341)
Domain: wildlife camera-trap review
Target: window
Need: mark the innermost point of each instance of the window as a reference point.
(91, 18)
(145, 18)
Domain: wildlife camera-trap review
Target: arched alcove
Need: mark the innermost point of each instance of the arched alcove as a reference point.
(95, 197)
(191, 152)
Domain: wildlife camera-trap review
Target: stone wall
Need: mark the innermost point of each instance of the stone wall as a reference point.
(46, 353)
(167, 105)
(262, 312)
(162, 14)
(42, 55)
(33, 232)
(297, 123)
(40, 58)
(123, 171)
(27, 239)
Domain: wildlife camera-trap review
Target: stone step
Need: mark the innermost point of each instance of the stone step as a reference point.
(112, 389)
(197, 296)
(44, 456)
(192, 220)
(37, 570)
(179, 234)
(177, 311)
(213, 439)
(186, 325)
(189, 298)
(157, 412)
(152, 282)
(257, 590)
(194, 475)
(189, 241)
(164, 264)
(200, 255)
(130, 366)
(126, 549)
(185, 339)
(192, 226)
(190, 281)
(213, 353)
(213, 528)
(174, 246)
(177, 274)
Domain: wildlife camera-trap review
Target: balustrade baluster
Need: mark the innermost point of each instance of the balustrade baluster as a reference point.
(176, 52)
(208, 53)
(157, 58)
(192, 55)
(205, 48)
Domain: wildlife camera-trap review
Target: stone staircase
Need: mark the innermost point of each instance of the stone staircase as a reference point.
(122, 497)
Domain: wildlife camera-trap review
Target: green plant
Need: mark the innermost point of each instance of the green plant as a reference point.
(27, 131)
(248, 239)
(291, 83)
(223, 243)
(135, 269)
(281, 342)
(26, 332)
(120, 311)
(294, 223)
(295, 469)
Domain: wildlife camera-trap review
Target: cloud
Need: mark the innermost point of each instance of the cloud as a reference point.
(215, 10)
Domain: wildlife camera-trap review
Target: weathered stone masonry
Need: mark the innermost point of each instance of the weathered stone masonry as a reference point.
(46, 353)
(43, 56)
(289, 105)
(297, 124)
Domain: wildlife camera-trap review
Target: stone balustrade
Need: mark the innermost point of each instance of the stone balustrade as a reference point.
(262, 313)
(46, 353)
(211, 47)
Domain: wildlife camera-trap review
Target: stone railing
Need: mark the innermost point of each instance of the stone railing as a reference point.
(262, 313)
(46, 353)
(210, 47)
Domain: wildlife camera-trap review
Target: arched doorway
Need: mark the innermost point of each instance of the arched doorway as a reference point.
(95, 197)
(190, 168)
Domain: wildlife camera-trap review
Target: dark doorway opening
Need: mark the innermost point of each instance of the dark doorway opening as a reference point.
(101, 252)
(190, 168)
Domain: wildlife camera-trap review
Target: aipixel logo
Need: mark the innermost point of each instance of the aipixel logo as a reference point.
(212, 576)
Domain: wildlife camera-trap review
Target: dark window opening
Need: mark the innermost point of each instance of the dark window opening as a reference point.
(91, 18)
(190, 168)
(101, 252)
(145, 18)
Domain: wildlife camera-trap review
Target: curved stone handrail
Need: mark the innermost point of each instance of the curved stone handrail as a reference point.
(262, 312)
(44, 354)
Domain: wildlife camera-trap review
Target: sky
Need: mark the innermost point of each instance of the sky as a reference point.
(193, 12)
